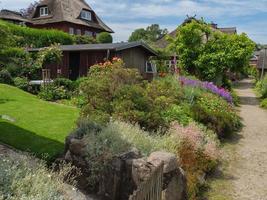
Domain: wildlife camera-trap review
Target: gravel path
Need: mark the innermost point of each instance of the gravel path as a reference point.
(250, 167)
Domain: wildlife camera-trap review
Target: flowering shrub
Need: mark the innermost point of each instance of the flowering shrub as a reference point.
(209, 86)
(60, 89)
(100, 87)
(216, 114)
(198, 152)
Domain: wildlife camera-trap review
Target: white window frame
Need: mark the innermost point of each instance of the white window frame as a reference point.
(87, 15)
(43, 11)
(71, 31)
(152, 66)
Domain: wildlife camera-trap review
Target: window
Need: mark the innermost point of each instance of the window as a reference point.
(78, 32)
(151, 67)
(86, 15)
(43, 11)
(88, 33)
(71, 31)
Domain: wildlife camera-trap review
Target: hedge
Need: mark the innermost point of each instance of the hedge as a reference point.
(30, 37)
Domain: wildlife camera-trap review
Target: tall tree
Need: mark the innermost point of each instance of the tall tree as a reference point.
(27, 12)
(209, 54)
(151, 34)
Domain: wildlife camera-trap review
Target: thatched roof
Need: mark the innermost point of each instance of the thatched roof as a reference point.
(12, 16)
(68, 11)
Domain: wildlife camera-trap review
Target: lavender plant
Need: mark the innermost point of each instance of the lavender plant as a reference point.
(209, 86)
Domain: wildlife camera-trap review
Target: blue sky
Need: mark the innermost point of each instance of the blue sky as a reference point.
(124, 16)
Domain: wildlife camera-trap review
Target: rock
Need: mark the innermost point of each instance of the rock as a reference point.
(170, 161)
(77, 147)
(141, 170)
(175, 186)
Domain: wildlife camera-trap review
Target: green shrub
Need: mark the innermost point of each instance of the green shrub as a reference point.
(262, 87)
(84, 39)
(216, 114)
(54, 93)
(104, 37)
(21, 83)
(236, 99)
(264, 103)
(23, 177)
(5, 77)
(99, 88)
(66, 83)
(30, 37)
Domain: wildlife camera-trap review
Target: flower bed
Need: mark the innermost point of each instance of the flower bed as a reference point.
(209, 87)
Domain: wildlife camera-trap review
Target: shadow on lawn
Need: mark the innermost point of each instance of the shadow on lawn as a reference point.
(26, 140)
(2, 101)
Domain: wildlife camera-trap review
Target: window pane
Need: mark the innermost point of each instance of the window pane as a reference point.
(71, 31)
(79, 32)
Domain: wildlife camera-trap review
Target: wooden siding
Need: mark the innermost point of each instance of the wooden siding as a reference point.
(133, 58)
(65, 27)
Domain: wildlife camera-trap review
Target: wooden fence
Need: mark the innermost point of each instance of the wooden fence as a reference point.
(151, 189)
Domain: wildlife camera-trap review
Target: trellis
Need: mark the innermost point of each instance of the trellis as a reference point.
(46, 76)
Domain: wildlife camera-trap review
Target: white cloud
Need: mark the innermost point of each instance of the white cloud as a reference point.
(126, 15)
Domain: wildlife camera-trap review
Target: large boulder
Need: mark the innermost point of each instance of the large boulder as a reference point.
(169, 160)
(174, 181)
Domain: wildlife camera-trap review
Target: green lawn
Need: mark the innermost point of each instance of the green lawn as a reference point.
(40, 127)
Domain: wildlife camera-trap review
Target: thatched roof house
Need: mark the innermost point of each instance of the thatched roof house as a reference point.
(71, 16)
(13, 17)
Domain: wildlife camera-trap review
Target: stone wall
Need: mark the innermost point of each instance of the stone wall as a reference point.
(127, 171)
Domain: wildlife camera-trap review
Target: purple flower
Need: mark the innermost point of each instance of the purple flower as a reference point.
(208, 86)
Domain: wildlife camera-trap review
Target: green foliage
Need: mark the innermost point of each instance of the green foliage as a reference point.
(102, 144)
(60, 89)
(264, 103)
(19, 63)
(208, 54)
(100, 85)
(262, 87)
(21, 83)
(151, 34)
(252, 71)
(104, 37)
(6, 38)
(29, 37)
(5, 77)
(23, 177)
(48, 55)
(66, 83)
(53, 93)
(216, 114)
(84, 39)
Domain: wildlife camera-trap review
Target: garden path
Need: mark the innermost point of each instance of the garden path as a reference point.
(249, 174)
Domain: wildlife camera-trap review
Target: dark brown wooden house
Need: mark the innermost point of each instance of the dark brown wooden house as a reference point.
(77, 59)
(71, 16)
